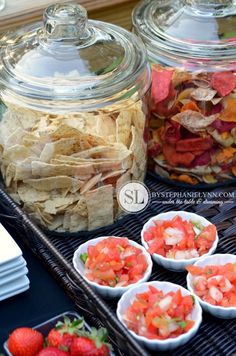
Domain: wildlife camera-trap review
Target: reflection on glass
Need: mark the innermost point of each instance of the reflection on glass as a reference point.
(2, 4)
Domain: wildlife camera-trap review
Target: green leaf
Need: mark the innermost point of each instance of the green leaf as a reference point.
(193, 298)
(209, 271)
(83, 257)
(182, 324)
(120, 248)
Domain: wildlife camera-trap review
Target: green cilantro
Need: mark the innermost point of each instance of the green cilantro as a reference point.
(182, 324)
(198, 225)
(120, 248)
(193, 298)
(83, 257)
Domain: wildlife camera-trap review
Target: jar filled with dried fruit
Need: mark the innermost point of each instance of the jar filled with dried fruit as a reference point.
(74, 126)
(192, 47)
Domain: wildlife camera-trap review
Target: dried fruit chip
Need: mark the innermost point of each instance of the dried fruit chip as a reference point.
(194, 121)
(229, 113)
(223, 82)
(201, 94)
(161, 84)
(194, 144)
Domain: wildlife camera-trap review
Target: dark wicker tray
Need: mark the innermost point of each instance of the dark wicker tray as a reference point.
(215, 337)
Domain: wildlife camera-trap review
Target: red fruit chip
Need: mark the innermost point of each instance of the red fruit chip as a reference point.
(223, 82)
(161, 84)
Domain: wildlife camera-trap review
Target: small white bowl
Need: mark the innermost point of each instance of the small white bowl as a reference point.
(170, 263)
(219, 312)
(170, 343)
(106, 291)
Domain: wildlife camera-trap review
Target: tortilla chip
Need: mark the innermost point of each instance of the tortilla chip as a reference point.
(51, 183)
(100, 207)
(139, 117)
(23, 169)
(15, 153)
(31, 195)
(78, 223)
(10, 174)
(42, 169)
(15, 138)
(138, 147)
(81, 207)
(51, 206)
(105, 126)
(123, 124)
(64, 146)
(117, 150)
(91, 183)
(56, 222)
(125, 178)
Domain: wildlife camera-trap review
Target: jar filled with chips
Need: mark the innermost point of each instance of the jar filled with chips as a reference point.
(74, 125)
(192, 48)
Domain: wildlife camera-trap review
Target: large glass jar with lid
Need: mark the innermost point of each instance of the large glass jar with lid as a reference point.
(192, 47)
(74, 127)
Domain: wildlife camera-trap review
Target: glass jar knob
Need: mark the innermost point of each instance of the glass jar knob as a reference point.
(65, 22)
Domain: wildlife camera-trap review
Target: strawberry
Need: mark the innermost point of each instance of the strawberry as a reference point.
(62, 335)
(52, 351)
(25, 342)
(91, 344)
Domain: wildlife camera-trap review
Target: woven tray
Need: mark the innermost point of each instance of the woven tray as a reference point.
(215, 337)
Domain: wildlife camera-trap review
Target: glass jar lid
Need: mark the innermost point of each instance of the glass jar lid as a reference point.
(188, 28)
(73, 58)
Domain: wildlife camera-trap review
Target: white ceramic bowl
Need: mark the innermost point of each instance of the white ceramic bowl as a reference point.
(170, 263)
(170, 343)
(218, 259)
(106, 291)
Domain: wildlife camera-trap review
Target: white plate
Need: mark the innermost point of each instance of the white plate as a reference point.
(9, 250)
(12, 264)
(13, 293)
(13, 268)
(13, 276)
(13, 287)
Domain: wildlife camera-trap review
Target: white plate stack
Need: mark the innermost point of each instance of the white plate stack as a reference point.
(13, 270)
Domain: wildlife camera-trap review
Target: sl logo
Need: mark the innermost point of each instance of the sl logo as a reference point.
(133, 197)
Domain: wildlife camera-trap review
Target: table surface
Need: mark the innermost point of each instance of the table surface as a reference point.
(30, 308)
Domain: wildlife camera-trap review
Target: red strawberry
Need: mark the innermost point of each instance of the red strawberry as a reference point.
(25, 342)
(62, 335)
(52, 351)
(91, 344)
(83, 346)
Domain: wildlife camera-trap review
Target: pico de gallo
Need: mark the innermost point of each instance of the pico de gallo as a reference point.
(215, 284)
(158, 315)
(179, 239)
(114, 262)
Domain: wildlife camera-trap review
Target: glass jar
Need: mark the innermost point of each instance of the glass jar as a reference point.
(192, 47)
(74, 126)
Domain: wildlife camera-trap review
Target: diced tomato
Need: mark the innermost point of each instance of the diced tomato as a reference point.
(215, 284)
(177, 239)
(113, 261)
(146, 315)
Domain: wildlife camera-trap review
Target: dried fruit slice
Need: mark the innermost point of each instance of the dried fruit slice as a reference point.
(223, 82)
